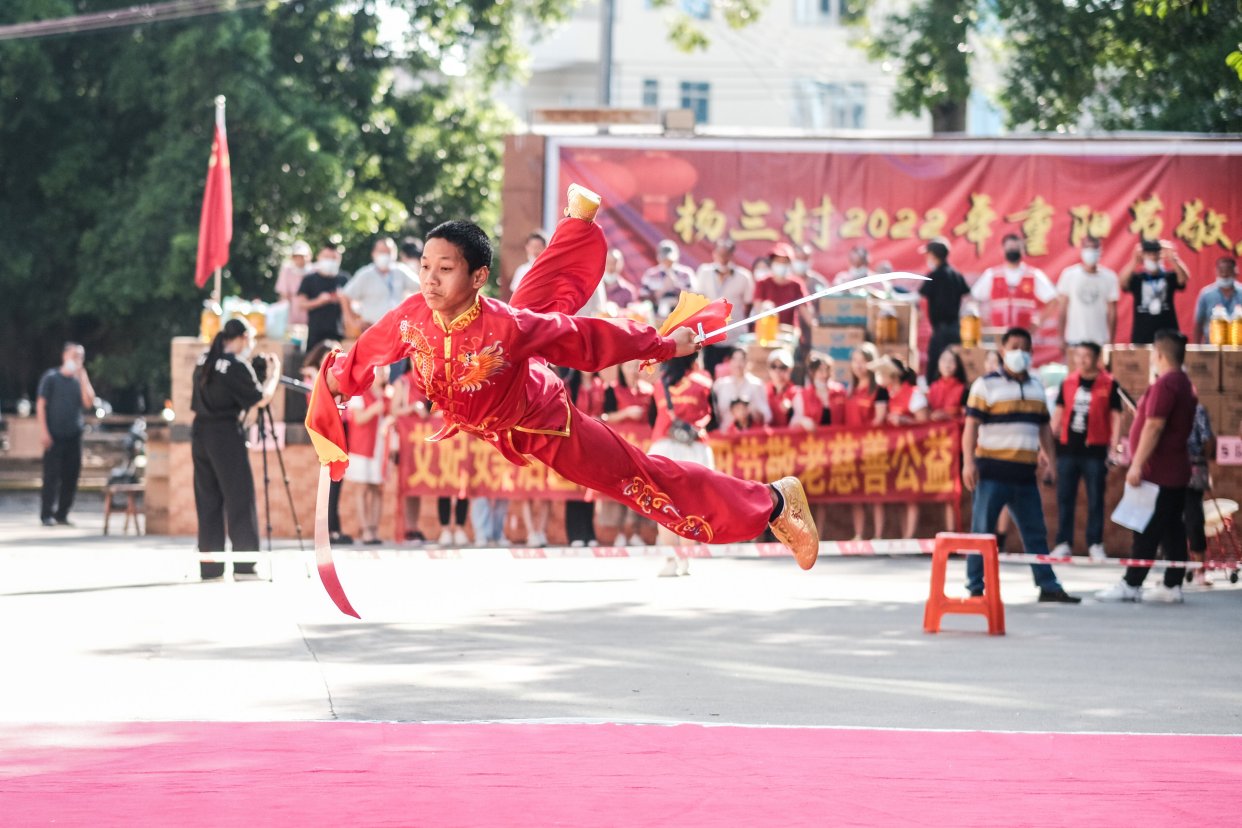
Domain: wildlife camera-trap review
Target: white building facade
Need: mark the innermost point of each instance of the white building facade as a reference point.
(794, 69)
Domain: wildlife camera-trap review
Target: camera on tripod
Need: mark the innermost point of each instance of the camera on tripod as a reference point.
(259, 363)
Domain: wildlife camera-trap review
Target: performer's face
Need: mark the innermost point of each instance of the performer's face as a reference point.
(446, 281)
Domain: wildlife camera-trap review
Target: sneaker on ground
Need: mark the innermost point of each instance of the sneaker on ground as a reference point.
(460, 538)
(1096, 552)
(669, 570)
(683, 566)
(577, 544)
(49, 522)
(537, 539)
(1161, 594)
(1120, 592)
(1057, 596)
(636, 540)
(1063, 550)
(446, 537)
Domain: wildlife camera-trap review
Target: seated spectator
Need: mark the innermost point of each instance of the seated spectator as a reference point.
(866, 405)
(946, 397)
(365, 432)
(784, 398)
(741, 419)
(740, 384)
(823, 398)
(906, 405)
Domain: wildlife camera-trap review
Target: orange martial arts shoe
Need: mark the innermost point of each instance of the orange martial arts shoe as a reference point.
(794, 526)
(583, 204)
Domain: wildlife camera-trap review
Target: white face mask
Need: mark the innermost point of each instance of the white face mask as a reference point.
(1151, 265)
(1225, 283)
(859, 271)
(1017, 361)
(800, 267)
(382, 260)
(328, 267)
(1091, 256)
(780, 269)
(71, 366)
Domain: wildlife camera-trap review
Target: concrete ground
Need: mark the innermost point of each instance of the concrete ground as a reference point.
(119, 628)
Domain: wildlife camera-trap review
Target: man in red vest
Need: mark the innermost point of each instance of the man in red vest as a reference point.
(1087, 422)
(1013, 293)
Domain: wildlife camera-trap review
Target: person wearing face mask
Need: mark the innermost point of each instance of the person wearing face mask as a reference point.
(944, 302)
(618, 290)
(224, 388)
(1151, 277)
(1089, 294)
(859, 266)
(663, 282)
(1007, 435)
(63, 393)
(1014, 292)
(290, 279)
(782, 286)
(319, 297)
(723, 278)
(377, 288)
(1222, 293)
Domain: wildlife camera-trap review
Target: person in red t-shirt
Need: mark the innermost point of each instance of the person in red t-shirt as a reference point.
(627, 411)
(367, 440)
(1163, 421)
(906, 405)
(784, 398)
(782, 287)
(946, 397)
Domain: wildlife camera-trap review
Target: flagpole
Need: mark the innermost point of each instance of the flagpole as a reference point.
(217, 293)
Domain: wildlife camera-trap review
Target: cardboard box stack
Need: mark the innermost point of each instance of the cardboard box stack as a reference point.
(1130, 365)
(838, 342)
(847, 310)
(1227, 419)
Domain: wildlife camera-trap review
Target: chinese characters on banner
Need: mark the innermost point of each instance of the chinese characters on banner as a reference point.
(758, 193)
(896, 464)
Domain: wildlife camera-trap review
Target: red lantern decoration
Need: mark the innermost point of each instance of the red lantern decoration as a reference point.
(661, 177)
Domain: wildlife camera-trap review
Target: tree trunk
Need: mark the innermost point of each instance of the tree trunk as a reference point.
(948, 117)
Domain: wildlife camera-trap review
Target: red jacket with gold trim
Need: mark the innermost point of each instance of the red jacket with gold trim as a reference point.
(486, 370)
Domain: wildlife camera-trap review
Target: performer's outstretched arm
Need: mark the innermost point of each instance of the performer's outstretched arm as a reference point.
(379, 344)
(590, 344)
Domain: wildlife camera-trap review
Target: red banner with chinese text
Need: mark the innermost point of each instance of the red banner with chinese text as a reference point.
(892, 464)
(836, 195)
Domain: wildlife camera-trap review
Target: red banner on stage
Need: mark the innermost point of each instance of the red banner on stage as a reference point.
(893, 464)
(836, 195)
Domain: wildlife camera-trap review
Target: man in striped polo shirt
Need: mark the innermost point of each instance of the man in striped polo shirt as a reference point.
(1006, 427)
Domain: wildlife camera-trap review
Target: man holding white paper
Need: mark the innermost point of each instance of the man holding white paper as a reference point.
(1162, 424)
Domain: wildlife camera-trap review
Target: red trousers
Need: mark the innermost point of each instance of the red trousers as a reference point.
(691, 500)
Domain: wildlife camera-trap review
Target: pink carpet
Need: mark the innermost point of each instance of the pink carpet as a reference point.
(330, 773)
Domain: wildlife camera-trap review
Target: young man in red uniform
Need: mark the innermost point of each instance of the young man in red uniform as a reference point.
(483, 364)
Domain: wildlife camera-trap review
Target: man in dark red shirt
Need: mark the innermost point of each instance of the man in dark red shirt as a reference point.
(1162, 425)
(782, 286)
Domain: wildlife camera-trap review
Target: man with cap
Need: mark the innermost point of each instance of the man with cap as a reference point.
(782, 286)
(723, 278)
(290, 279)
(663, 283)
(1152, 276)
(944, 302)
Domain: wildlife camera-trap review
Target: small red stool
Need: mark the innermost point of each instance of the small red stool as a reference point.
(988, 605)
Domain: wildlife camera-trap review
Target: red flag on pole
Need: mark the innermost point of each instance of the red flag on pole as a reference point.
(215, 226)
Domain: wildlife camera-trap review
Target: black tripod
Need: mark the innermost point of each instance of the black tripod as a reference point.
(266, 424)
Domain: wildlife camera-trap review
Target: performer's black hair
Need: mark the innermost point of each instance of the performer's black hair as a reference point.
(469, 238)
(231, 330)
(674, 369)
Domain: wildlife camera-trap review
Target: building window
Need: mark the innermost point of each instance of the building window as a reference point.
(827, 12)
(696, 96)
(822, 105)
(651, 92)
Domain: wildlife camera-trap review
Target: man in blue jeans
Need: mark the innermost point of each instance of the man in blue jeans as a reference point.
(1006, 427)
(1087, 422)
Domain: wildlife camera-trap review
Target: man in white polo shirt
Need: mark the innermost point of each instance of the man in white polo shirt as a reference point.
(1006, 428)
(377, 288)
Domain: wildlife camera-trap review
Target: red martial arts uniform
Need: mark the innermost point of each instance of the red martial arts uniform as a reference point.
(486, 372)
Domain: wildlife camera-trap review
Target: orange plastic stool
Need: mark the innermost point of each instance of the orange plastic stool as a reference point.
(988, 605)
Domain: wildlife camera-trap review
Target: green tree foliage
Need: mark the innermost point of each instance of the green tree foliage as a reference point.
(1104, 64)
(333, 134)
